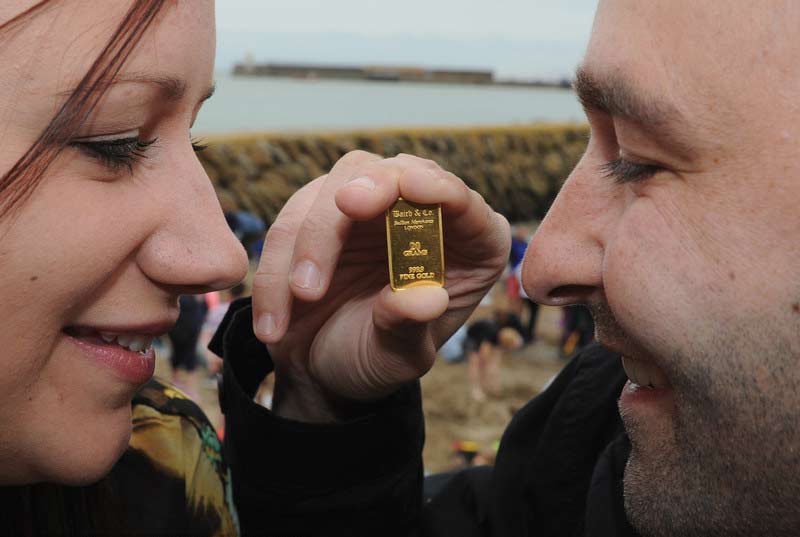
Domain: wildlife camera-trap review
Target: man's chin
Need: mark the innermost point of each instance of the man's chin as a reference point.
(645, 498)
(651, 478)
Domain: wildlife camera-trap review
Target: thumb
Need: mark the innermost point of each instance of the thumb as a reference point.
(403, 339)
(395, 346)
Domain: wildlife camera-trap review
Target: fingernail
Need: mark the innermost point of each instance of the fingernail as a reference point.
(306, 275)
(266, 325)
(363, 182)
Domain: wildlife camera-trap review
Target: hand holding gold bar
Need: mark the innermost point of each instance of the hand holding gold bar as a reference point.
(336, 332)
(414, 241)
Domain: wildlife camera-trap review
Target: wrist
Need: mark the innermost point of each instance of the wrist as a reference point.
(299, 397)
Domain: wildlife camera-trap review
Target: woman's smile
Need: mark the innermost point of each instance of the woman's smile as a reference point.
(127, 350)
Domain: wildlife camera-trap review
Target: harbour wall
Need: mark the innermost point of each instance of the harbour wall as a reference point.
(519, 170)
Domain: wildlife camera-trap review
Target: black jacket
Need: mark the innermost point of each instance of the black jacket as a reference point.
(558, 472)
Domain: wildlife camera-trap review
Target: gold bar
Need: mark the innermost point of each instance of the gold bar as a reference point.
(414, 240)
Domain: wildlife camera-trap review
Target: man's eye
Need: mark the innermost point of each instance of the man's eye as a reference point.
(624, 171)
(116, 154)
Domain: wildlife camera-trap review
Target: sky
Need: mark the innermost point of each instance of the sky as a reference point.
(515, 38)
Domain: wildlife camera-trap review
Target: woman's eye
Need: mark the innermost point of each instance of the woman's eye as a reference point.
(116, 154)
(198, 145)
(624, 171)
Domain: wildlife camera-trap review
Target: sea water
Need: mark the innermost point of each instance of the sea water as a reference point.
(251, 104)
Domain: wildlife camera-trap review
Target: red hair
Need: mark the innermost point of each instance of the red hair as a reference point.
(47, 509)
(17, 183)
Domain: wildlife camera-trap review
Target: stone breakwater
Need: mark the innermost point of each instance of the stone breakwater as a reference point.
(518, 170)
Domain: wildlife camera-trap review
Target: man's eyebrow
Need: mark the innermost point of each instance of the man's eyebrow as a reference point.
(615, 95)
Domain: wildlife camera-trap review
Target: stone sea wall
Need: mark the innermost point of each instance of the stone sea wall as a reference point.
(519, 170)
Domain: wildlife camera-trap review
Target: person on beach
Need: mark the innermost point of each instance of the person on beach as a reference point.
(487, 340)
(107, 217)
(518, 300)
(184, 337)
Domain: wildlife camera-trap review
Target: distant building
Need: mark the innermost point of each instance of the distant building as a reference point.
(378, 72)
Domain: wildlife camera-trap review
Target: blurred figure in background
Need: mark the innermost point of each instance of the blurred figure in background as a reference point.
(484, 346)
(452, 351)
(578, 329)
(517, 298)
(212, 321)
(184, 337)
(247, 227)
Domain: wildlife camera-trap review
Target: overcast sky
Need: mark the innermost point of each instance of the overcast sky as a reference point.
(516, 38)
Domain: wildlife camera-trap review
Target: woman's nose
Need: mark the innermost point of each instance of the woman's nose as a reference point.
(563, 263)
(193, 250)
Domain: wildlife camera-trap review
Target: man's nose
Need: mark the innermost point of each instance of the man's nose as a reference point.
(563, 264)
(193, 250)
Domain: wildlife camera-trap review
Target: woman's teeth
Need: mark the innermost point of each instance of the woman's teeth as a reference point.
(129, 341)
(644, 374)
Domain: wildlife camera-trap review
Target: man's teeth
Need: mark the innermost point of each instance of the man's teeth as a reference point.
(644, 374)
(129, 341)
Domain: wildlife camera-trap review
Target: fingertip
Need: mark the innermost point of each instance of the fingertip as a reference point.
(427, 185)
(503, 220)
(308, 281)
(417, 304)
(505, 229)
(365, 198)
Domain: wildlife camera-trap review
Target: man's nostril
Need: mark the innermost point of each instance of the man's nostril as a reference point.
(573, 293)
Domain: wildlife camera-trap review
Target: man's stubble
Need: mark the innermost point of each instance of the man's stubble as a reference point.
(726, 462)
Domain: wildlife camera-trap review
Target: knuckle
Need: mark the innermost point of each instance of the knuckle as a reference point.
(267, 272)
(358, 156)
(281, 233)
(314, 226)
(478, 198)
(264, 277)
(453, 178)
(432, 164)
(424, 162)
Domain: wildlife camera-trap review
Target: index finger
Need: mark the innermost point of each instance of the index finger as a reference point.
(468, 220)
(272, 298)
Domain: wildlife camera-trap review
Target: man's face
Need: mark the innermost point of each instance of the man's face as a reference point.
(680, 228)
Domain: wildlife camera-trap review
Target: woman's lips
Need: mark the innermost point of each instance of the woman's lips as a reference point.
(135, 367)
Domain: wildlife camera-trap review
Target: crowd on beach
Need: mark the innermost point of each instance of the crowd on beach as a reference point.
(506, 324)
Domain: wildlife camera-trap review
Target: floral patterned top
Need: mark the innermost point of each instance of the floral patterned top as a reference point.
(174, 469)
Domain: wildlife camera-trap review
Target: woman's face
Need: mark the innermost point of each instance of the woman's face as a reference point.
(113, 234)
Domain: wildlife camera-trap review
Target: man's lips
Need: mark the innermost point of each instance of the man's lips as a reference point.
(644, 373)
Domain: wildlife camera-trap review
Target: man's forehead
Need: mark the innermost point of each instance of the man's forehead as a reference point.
(718, 63)
(703, 36)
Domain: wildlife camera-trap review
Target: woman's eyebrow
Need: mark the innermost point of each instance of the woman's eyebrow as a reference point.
(173, 89)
